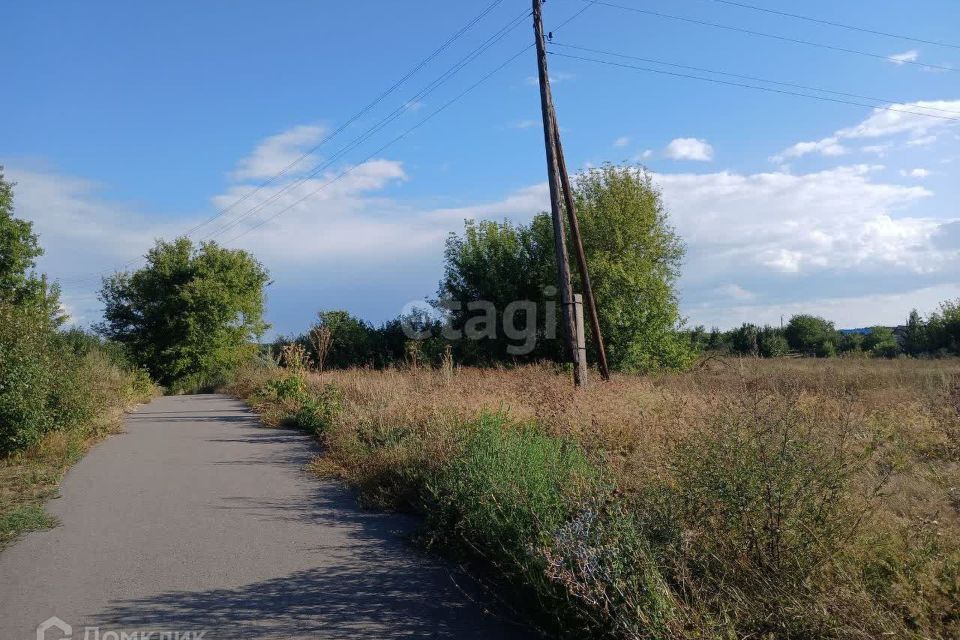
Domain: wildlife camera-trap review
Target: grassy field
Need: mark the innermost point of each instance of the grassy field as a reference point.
(746, 498)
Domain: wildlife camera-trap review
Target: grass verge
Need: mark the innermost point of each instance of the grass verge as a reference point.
(30, 477)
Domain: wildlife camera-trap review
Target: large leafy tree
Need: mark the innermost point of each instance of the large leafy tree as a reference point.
(499, 263)
(191, 315)
(634, 256)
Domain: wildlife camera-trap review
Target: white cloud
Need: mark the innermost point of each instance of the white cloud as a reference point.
(277, 152)
(902, 58)
(622, 141)
(922, 142)
(915, 173)
(736, 292)
(737, 225)
(879, 150)
(825, 147)
(525, 124)
(918, 119)
(921, 121)
(689, 149)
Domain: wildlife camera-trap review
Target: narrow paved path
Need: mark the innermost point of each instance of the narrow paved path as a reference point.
(198, 519)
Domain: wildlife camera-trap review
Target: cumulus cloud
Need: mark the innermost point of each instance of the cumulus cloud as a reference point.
(826, 147)
(277, 152)
(921, 121)
(689, 149)
(915, 173)
(839, 218)
(917, 119)
(902, 58)
(622, 141)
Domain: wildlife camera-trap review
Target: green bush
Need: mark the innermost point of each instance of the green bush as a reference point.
(506, 493)
(26, 377)
(318, 411)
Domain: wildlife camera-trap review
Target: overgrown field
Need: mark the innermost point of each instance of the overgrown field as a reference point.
(747, 498)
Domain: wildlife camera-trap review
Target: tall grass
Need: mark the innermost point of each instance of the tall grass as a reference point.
(747, 498)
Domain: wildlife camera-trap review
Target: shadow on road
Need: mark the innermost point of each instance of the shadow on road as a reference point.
(371, 582)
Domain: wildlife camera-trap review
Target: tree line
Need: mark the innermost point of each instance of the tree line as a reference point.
(936, 335)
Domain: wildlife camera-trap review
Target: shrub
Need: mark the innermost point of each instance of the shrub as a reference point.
(506, 493)
(318, 411)
(812, 335)
(757, 519)
(25, 378)
(604, 562)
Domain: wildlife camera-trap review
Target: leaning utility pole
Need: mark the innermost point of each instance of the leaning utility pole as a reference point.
(559, 234)
(559, 180)
(581, 256)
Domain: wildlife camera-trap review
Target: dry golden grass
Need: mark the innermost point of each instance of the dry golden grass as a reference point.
(902, 417)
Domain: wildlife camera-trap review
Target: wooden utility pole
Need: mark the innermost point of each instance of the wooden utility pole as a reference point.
(553, 175)
(581, 256)
(560, 182)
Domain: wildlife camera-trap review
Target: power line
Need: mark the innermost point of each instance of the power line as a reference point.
(762, 34)
(746, 77)
(400, 137)
(379, 126)
(396, 85)
(750, 86)
(407, 132)
(744, 5)
(457, 35)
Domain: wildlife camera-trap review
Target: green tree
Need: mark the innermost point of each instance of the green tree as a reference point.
(190, 315)
(812, 336)
(745, 339)
(499, 263)
(20, 285)
(915, 337)
(943, 328)
(634, 258)
(881, 342)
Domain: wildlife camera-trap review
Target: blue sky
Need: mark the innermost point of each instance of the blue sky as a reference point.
(123, 122)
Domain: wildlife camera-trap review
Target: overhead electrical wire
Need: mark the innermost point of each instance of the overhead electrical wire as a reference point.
(359, 114)
(366, 109)
(831, 23)
(400, 137)
(773, 36)
(403, 135)
(748, 86)
(665, 63)
(380, 125)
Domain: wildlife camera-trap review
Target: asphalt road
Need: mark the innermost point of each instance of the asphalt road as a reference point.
(199, 520)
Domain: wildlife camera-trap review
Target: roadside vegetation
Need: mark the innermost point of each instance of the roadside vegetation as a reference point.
(788, 498)
(60, 390)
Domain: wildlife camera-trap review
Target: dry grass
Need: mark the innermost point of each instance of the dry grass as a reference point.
(889, 430)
